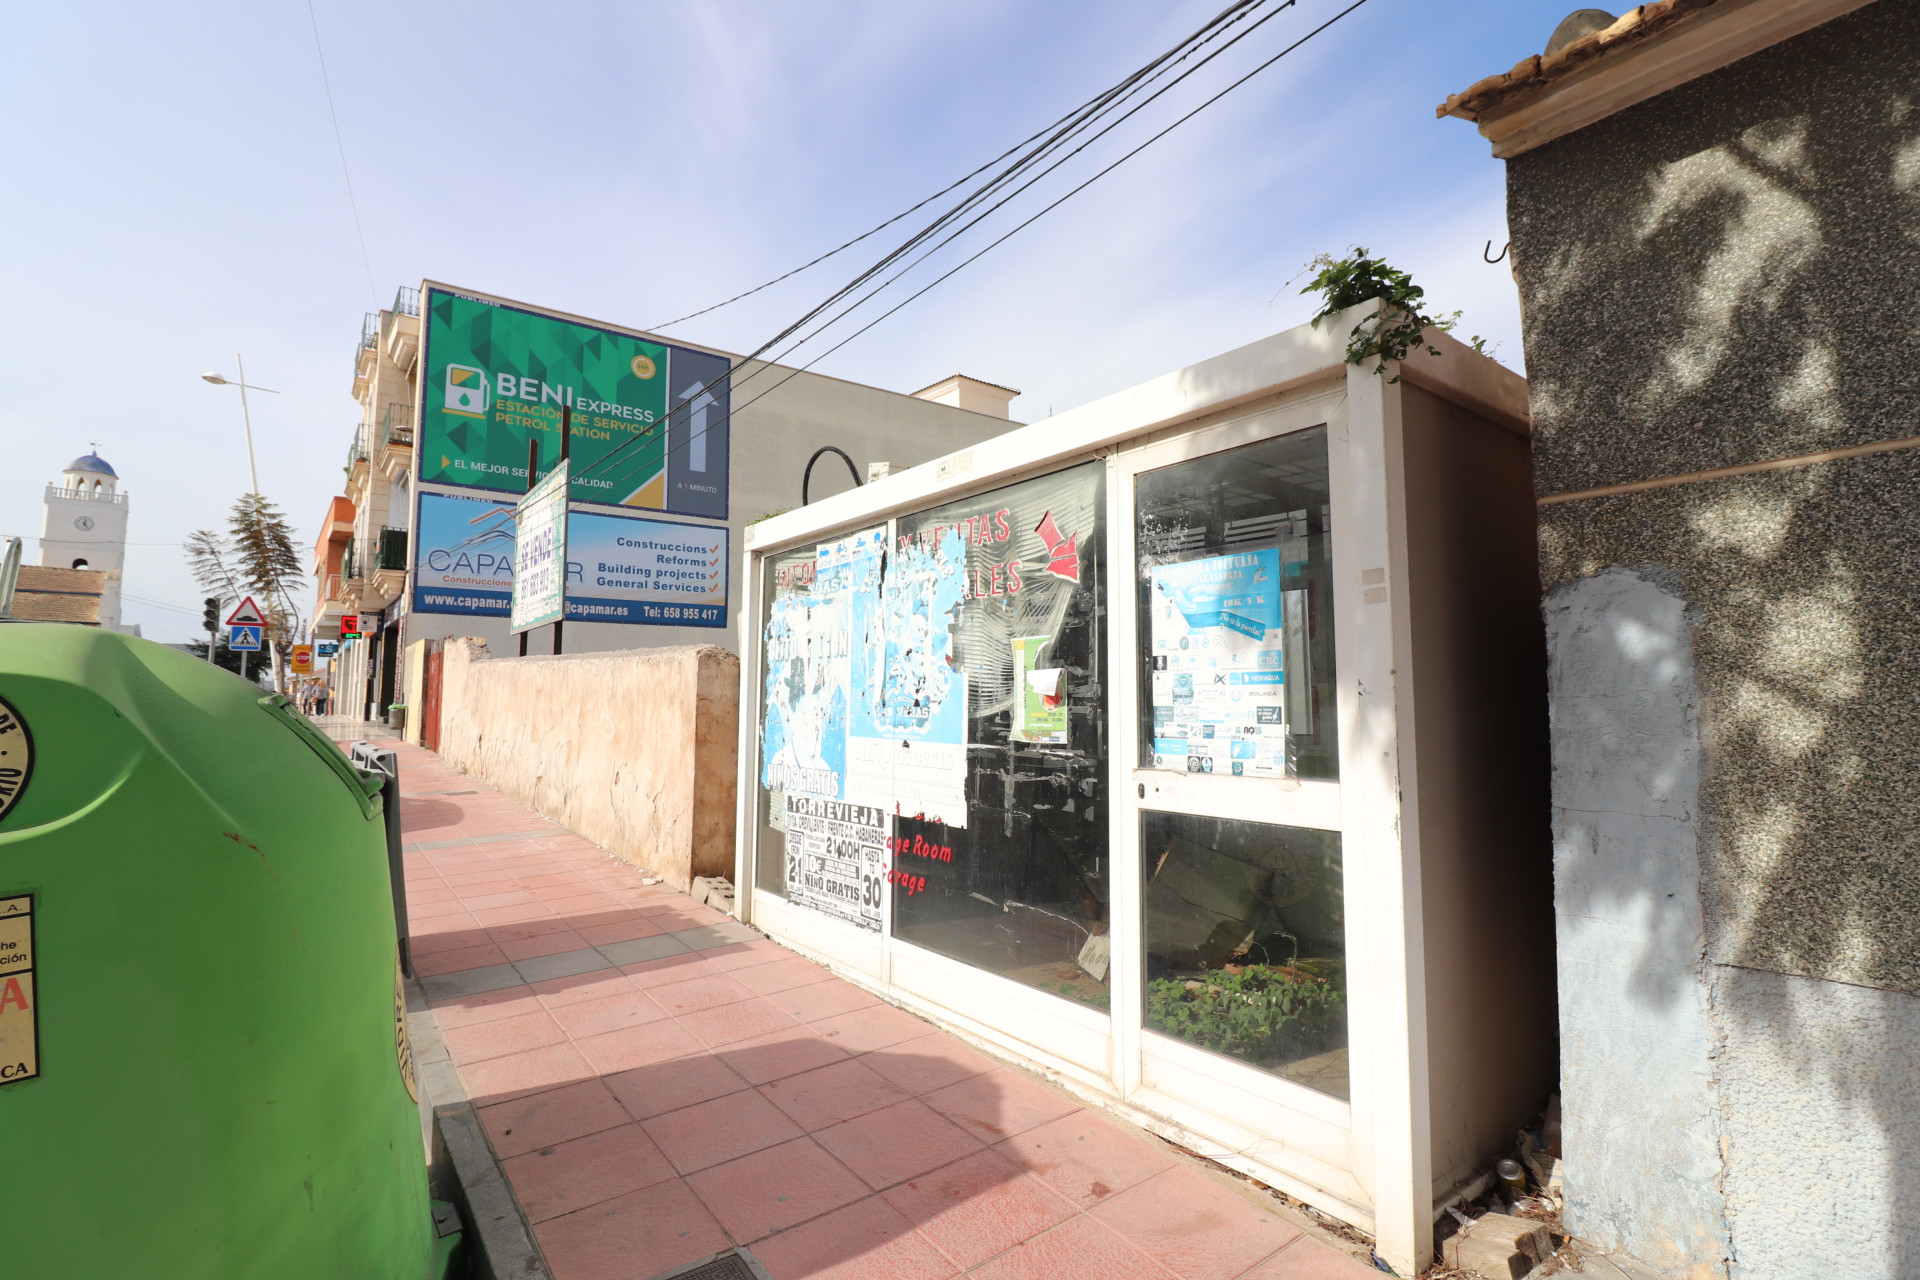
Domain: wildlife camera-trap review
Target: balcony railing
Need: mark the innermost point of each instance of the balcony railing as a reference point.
(406, 301)
(393, 549)
(349, 563)
(356, 452)
(86, 495)
(369, 336)
(396, 427)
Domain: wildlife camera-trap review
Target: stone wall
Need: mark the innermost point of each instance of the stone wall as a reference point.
(633, 749)
(1710, 279)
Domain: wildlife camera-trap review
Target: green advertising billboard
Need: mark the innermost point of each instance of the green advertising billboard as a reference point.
(649, 418)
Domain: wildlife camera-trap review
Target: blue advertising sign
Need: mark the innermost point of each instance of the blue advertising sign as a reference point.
(464, 561)
(619, 568)
(622, 569)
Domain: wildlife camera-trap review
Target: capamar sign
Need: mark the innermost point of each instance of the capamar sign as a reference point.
(650, 425)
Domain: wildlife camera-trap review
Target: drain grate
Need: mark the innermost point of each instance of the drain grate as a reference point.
(734, 1264)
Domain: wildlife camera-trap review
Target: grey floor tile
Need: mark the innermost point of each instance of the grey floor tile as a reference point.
(705, 937)
(470, 982)
(563, 964)
(636, 950)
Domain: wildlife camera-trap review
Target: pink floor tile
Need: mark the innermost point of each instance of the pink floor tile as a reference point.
(1310, 1259)
(618, 931)
(498, 1079)
(669, 1086)
(584, 1018)
(747, 955)
(732, 1023)
(874, 1027)
(638, 1046)
(580, 988)
(487, 901)
(978, 1207)
(547, 944)
(928, 1063)
(867, 1240)
(529, 929)
(449, 934)
(699, 993)
(819, 1000)
(457, 959)
(787, 1052)
(998, 1104)
(502, 1036)
(492, 917)
(779, 975)
(558, 1115)
(896, 1143)
(1085, 1158)
(572, 1175)
(1076, 1249)
(463, 1011)
(1194, 1227)
(829, 1095)
(714, 1132)
(664, 1224)
(648, 974)
(775, 1188)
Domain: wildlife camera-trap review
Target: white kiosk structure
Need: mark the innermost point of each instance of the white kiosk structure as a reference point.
(1188, 748)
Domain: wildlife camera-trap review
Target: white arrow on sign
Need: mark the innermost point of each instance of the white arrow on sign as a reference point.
(246, 614)
(703, 400)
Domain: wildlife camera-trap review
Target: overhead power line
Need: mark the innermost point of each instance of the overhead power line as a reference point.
(1227, 16)
(1110, 98)
(326, 82)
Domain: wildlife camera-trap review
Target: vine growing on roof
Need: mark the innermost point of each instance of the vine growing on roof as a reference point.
(1392, 332)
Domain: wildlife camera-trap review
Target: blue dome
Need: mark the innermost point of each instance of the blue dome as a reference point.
(95, 463)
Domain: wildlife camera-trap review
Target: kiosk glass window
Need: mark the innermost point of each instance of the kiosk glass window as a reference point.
(1246, 943)
(1235, 606)
(1006, 868)
(803, 699)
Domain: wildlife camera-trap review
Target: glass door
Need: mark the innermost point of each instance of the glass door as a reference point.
(1227, 741)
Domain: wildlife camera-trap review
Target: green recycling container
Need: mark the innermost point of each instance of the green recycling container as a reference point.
(204, 1066)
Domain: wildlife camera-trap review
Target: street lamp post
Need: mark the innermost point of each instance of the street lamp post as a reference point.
(220, 380)
(253, 469)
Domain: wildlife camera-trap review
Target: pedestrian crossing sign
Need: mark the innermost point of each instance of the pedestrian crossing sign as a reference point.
(244, 639)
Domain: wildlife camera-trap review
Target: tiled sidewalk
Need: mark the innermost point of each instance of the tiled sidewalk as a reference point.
(662, 1083)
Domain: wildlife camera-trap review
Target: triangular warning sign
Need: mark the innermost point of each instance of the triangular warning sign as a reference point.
(246, 614)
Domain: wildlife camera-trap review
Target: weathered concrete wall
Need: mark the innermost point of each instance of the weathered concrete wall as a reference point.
(1641, 1128)
(1707, 280)
(633, 749)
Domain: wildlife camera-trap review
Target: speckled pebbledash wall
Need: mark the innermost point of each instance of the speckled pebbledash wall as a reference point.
(1726, 274)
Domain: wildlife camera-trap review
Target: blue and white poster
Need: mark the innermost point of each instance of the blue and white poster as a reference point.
(463, 561)
(907, 738)
(622, 569)
(1218, 675)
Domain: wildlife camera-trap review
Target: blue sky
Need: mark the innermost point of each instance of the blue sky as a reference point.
(175, 196)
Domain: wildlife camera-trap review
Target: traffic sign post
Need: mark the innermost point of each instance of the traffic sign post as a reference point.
(303, 659)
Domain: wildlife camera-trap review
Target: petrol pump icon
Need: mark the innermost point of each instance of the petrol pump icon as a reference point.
(466, 390)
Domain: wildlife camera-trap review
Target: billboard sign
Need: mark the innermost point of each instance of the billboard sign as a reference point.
(620, 568)
(650, 423)
(655, 571)
(540, 552)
